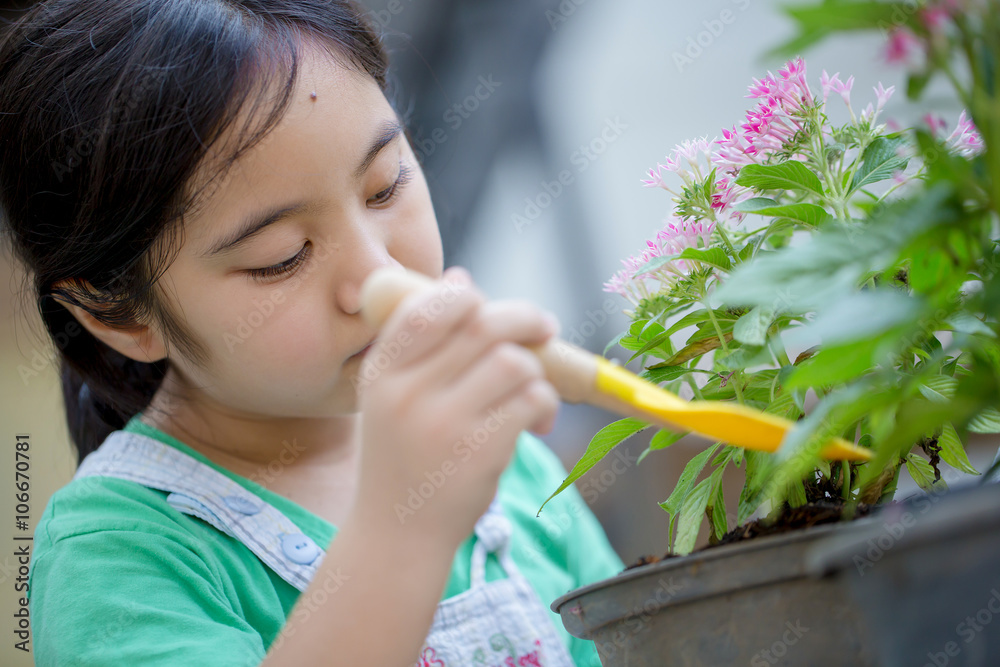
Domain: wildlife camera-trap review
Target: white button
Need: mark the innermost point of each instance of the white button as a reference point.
(299, 548)
(241, 504)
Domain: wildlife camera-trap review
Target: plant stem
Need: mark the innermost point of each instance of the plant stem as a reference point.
(845, 482)
(725, 239)
(694, 387)
(737, 375)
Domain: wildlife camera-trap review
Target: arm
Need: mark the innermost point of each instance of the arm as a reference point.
(373, 596)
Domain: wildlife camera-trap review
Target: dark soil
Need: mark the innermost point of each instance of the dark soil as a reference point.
(789, 520)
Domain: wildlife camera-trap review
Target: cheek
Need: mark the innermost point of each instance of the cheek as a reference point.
(417, 244)
(292, 342)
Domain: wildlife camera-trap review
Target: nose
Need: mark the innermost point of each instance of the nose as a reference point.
(355, 265)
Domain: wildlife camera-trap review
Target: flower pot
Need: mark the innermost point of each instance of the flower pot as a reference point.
(926, 578)
(752, 602)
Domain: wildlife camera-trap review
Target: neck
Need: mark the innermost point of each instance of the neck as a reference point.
(258, 447)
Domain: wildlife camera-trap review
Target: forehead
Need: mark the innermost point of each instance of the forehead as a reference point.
(333, 111)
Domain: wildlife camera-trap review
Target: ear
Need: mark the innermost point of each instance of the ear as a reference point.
(141, 343)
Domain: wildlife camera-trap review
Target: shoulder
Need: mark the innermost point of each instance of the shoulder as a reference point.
(97, 503)
(118, 576)
(102, 524)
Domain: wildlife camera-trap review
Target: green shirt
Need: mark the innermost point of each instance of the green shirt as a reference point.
(120, 577)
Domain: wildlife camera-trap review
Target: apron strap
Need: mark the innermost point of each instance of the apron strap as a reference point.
(199, 490)
(493, 531)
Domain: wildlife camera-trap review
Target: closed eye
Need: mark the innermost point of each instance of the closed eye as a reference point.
(288, 266)
(390, 193)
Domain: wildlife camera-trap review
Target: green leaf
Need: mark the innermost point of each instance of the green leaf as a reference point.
(922, 473)
(744, 357)
(932, 270)
(879, 161)
(968, 323)
(750, 499)
(691, 471)
(790, 175)
(720, 526)
(714, 256)
(833, 365)
(661, 440)
(617, 339)
(652, 344)
(690, 517)
(860, 316)
(603, 442)
(652, 338)
(987, 421)
(810, 214)
(783, 406)
(694, 317)
(952, 450)
(829, 264)
(833, 16)
(796, 493)
(916, 83)
(666, 373)
(751, 328)
(938, 388)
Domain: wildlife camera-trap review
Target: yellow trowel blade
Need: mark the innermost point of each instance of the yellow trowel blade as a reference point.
(731, 423)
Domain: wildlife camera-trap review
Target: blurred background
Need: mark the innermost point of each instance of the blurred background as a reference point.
(535, 120)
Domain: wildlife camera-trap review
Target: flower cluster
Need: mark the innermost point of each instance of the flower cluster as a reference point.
(774, 123)
(965, 139)
(787, 123)
(673, 239)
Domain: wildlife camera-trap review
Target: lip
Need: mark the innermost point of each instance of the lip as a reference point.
(364, 350)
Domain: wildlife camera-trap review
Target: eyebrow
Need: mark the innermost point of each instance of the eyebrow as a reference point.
(260, 220)
(388, 131)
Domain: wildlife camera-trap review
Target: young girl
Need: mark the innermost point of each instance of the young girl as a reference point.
(199, 188)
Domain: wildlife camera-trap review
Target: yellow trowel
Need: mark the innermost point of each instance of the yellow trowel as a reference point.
(583, 377)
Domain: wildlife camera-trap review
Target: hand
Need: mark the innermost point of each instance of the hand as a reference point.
(441, 419)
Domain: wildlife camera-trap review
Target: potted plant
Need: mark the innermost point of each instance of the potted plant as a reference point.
(873, 252)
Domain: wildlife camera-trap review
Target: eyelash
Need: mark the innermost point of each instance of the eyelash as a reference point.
(381, 199)
(390, 193)
(287, 266)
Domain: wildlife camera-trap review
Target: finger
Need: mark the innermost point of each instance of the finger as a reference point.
(422, 321)
(512, 320)
(504, 370)
(531, 405)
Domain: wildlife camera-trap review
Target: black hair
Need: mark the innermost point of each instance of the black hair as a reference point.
(107, 109)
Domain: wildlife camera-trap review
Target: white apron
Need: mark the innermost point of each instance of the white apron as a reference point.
(499, 623)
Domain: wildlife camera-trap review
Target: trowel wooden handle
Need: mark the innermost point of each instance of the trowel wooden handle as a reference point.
(570, 369)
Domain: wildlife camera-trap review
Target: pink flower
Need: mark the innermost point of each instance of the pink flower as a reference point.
(834, 84)
(772, 123)
(935, 123)
(691, 151)
(635, 284)
(618, 284)
(965, 139)
(935, 18)
(727, 193)
(883, 95)
(868, 115)
(903, 47)
(655, 178)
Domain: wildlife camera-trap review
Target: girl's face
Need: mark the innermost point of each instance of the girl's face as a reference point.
(270, 270)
